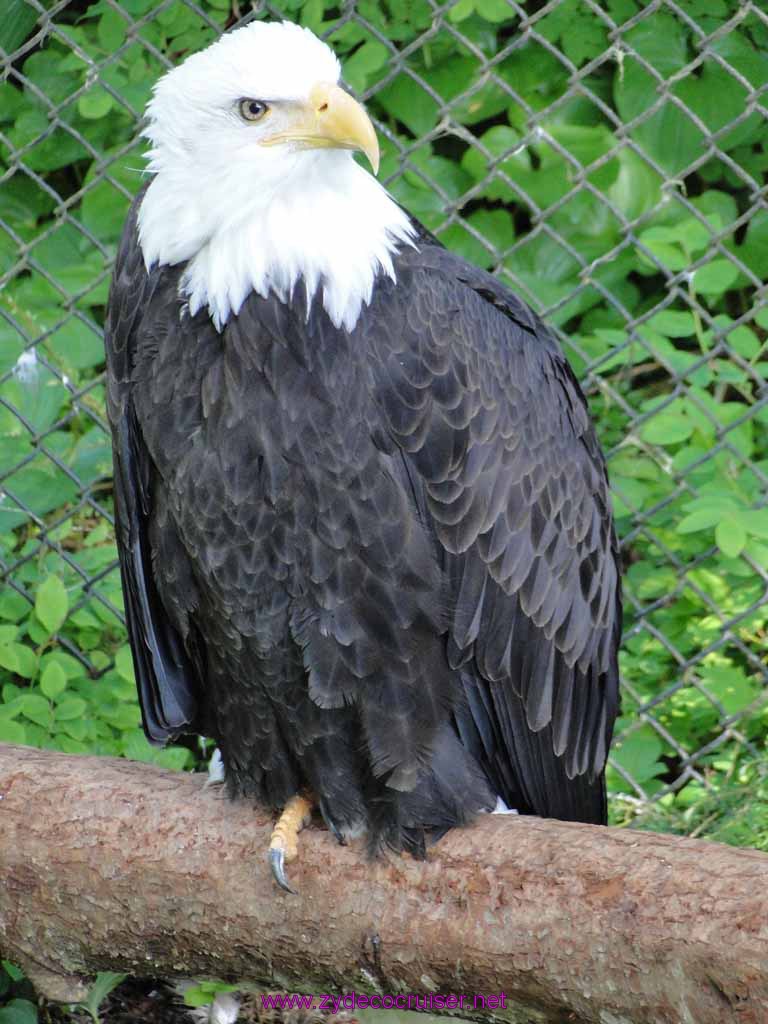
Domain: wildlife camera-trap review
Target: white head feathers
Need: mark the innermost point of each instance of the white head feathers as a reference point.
(252, 217)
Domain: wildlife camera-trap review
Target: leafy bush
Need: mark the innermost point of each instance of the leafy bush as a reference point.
(720, 813)
(616, 190)
(17, 996)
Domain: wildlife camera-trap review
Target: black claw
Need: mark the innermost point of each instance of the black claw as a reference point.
(277, 864)
(338, 836)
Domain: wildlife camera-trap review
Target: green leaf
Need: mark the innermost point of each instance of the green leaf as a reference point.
(756, 522)
(502, 142)
(668, 135)
(70, 666)
(744, 341)
(666, 427)
(106, 982)
(26, 661)
(53, 680)
(174, 758)
(124, 664)
(36, 394)
(587, 145)
(15, 973)
(368, 59)
(51, 603)
(122, 716)
(70, 746)
(18, 1011)
(663, 244)
(9, 659)
(13, 606)
(461, 10)
(135, 746)
(75, 728)
(11, 732)
(628, 495)
(637, 188)
(662, 41)
(493, 10)
(621, 10)
(75, 346)
(452, 178)
(673, 324)
(754, 250)
(718, 99)
(729, 685)
(719, 208)
(410, 103)
(493, 225)
(17, 22)
(111, 30)
(692, 235)
(580, 34)
(204, 992)
(8, 633)
(730, 536)
(40, 490)
(197, 996)
(639, 753)
(36, 709)
(51, 149)
(95, 103)
(69, 708)
(715, 277)
(704, 518)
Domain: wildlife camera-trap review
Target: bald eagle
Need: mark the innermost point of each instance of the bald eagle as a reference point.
(362, 515)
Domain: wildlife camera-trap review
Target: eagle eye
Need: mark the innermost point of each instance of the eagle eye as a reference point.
(252, 110)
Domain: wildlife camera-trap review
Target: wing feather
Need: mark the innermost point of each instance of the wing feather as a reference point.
(476, 393)
(164, 671)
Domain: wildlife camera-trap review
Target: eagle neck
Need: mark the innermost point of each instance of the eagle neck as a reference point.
(326, 227)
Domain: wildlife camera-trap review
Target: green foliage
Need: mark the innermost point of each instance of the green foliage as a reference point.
(732, 808)
(106, 982)
(600, 204)
(18, 1011)
(204, 992)
(50, 698)
(17, 1004)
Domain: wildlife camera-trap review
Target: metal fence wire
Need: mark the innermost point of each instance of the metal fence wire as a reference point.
(606, 159)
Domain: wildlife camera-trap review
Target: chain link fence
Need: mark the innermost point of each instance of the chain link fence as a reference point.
(606, 159)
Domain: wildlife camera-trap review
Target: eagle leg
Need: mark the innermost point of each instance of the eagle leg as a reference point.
(284, 844)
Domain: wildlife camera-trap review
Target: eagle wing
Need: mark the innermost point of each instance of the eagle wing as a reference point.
(493, 426)
(165, 675)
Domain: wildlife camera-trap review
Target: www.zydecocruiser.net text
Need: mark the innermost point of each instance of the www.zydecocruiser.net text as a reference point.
(401, 1001)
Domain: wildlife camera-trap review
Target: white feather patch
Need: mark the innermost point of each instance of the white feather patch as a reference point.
(216, 773)
(247, 217)
(501, 807)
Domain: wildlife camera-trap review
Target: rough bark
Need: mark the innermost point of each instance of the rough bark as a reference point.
(107, 864)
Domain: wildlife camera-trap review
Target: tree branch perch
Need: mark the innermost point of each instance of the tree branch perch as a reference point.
(107, 864)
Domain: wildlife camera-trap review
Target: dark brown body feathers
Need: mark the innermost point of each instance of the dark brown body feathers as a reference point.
(378, 564)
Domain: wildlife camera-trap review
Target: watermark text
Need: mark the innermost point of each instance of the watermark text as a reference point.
(402, 1001)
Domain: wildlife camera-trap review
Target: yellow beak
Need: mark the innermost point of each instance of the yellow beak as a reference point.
(331, 120)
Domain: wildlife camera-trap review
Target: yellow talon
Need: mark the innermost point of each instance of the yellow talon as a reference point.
(283, 844)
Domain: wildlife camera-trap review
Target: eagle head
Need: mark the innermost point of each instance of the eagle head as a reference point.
(254, 183)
